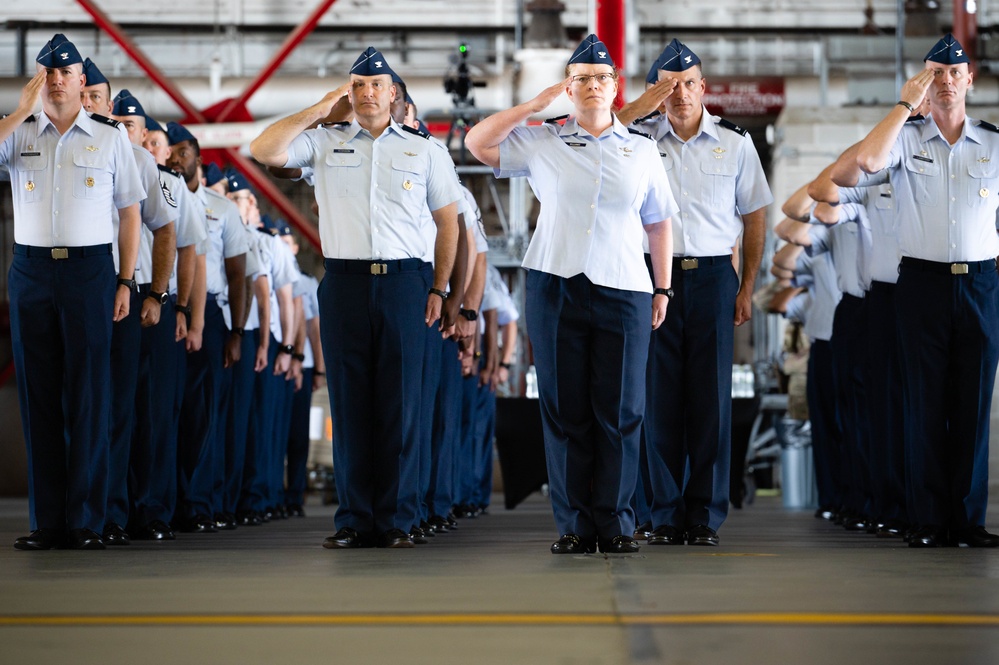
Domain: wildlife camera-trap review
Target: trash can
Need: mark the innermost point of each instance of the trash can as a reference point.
(797, 466)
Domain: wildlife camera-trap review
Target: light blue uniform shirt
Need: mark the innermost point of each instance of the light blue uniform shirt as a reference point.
(308, 288)
(715, 176)
(154, 211)
(946, 196)
(372, 192)
(191, 226)
(284, 271)
(825, 292)
(226, 236)
(596, 194)
(66, 187)
(842, 242)
(258, 264)
(427, 224)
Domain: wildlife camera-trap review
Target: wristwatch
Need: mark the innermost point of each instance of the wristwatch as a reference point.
(161, 298)
(287, 348)
(469, 314)
(237, 331)
(663, 292)
(130, 283)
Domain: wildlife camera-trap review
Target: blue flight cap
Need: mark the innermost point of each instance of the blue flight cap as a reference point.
(676, 57)
(409, 100)
(237, 182)
(281, 227)
(58, 52)
(372, 63)
(591, 51)
(93, 74)
(947, 51)
(177, 133)
(126, 104)
(653, 75)
(153, 126)
(212, 173)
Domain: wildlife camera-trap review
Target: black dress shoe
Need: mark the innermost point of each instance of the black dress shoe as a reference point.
(41, 539)
(619, 545)
(295, 510)
(418, 537)
(975, 536)
(427, 530)
(666, 535)
(199, 524)
(248, 518)
(395, 539)
(702, 534)
(345, 539)
(155, 530)
(85, 539)
(114, 535)
(891, 529)
(825, 514)
(225, 522)
(570, 543)
(927, 536)
(439, 524)
(280, 511)
(854, 522)
(643, 530)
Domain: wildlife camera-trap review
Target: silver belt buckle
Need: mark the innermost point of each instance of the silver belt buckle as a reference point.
(959, 268)
(379, 269)
(60, 253)
(688, 264)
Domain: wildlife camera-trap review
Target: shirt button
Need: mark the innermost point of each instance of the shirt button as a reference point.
(58, 166)
(920, 170)
(685, 193)
(596, 182)
(953, 199)
(589, 231)
(685, 168)
(953, 221)
(592, 206)
(57, 189)
(953, 246)
(952, 176)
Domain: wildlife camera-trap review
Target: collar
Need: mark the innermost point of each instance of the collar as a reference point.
(82, 121)
(930, 130)
(572, 128)
(707, 127)
(353, 129)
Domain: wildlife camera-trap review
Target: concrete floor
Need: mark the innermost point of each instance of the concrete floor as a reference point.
(784, 587)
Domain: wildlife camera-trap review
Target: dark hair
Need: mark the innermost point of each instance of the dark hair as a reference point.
(400, 89)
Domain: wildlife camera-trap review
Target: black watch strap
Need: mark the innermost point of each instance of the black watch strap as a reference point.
(237, 331)
(437, 292)
(161, 298)
(186, 311)
(300, 357)
(130, 283)
(469, 314)
(287, 348)
(663, 292)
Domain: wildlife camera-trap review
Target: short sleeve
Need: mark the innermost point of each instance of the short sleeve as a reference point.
(234, 240)
(128, 189)
(516, 151)
(751, 191)
(157, 210)
(659, 203)
(442, 185)
(302, 150)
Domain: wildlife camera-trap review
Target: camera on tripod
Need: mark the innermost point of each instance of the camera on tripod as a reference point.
(458, 82)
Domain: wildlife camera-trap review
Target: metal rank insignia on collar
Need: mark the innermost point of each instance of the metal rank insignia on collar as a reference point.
(92, 148)
(30, 186)
(407, 185)
(89, 182)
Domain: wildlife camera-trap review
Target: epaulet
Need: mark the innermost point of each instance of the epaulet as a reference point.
(167, 169)
(30, 118)
(104, 119)
(211, 192)
(342, 123)
(988, 125)
(914, 118)
(654, 114)
(635, 131)
(556, 120)
(727, 124)
(267, 232)
(418, 132)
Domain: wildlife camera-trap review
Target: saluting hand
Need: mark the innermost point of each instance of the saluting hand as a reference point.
(31, 95)
(328, 104)
(648, 101)
(914, 90)
(549, 95)
(659, 304)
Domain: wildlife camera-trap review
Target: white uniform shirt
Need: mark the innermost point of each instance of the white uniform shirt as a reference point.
(946, 196)
(715, 176)
(372, 192)
(596, 194)
(66, 187)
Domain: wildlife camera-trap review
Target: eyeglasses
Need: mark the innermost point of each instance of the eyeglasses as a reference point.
(602, 79)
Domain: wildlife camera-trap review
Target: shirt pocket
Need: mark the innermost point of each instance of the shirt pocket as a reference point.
(91, 176)
(925, 179)
(982, 183)
(34, 172)
(344, 171)
(718, 182)
(407, 183)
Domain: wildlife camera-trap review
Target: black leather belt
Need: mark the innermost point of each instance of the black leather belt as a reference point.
(695, 262)
(360, 267)
(972, 267)
(58, 253)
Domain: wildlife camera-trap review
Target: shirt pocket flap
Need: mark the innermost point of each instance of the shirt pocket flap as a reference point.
(725, 167)
(919, 167)
(982, 170)
(90, 160)
(349, 159)
(32, 162)
(406, 164)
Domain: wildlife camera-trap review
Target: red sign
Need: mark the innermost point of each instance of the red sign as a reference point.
(745, 96)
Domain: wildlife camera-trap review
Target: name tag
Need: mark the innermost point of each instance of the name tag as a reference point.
(31, 154)
(346, 150)
(575, 145)
(886, 196)
(922, 159)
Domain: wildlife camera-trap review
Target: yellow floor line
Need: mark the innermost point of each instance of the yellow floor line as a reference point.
(444, 620)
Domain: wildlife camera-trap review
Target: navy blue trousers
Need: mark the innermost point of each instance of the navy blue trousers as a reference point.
(126, 342)
(827, 435)
(849, 349)
(949, 347)
(197, 446)
(884, 395)
(255, 495)
(158, 397)
(237, 424)
(428, 409)
(446, 432)
(285, 396)
(485, 430)
(590, 347)
(374, 337)
(689, 408)
(298, 442)
(60, 318)
(464, 453)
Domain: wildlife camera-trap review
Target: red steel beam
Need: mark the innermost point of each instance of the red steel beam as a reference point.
(610, 22)
(297, 36)
(265, 186)
(104, 22)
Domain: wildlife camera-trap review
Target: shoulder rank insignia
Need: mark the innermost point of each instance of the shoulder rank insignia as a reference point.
(167, 169)
(556, 120)
(418, 132)
(342, 123)
(988, 125)
(915, 118)
(104, 119)
(722, 122)
(635, 131)
(654, 114)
